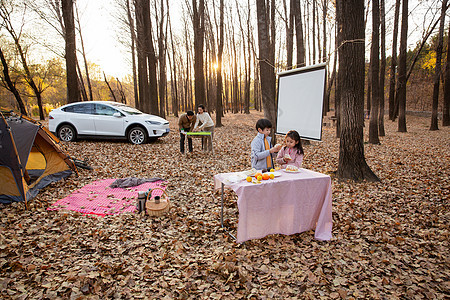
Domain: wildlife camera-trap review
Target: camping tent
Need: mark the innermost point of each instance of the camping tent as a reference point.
(30, 159)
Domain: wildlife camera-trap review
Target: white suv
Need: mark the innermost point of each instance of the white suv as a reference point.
(105, 119)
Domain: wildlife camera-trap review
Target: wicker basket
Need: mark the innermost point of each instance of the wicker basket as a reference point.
(157, 206)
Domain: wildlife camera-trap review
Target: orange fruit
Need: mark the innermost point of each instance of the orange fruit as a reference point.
(258, 174)
(272, 176)
(249, 179)
(259, 178)
(265, 176)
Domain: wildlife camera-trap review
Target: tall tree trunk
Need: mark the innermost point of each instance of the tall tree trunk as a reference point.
(326, 104)
(352, 163)
(152, 61)
(289, 23)
(313, 36)
(248, 70)
(10, 85)
(437, 74)
(382, 68)
(133, 53)
(339, 75)
(142, 57)
(401, 84)
(246, 89)
(393, 67)
(301, 53)
(83, 53)
(162, 64)
(219, 106)
(324, 22)
(369, 87)
(173, 73)
(375, 62)
(266, 64)
(446, 106)
(199, 35)
(73, 92)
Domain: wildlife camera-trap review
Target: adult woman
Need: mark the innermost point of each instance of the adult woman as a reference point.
(207, 123)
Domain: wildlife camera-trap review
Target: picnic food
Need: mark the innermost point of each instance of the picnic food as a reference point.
(272, 176)
(272, 170)
(291, 168)
(265, 176)
(249, 179)
(259, 178)
(287, 156)
(250, 172)
(258, 174)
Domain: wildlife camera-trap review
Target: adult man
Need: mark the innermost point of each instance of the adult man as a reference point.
(186, 123)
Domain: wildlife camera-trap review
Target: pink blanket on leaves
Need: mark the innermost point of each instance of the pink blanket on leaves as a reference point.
(99, 199)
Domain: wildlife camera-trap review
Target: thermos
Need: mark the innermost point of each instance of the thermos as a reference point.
(141, 201)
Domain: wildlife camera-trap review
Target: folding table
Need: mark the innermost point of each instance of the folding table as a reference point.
(288, 204)
(202, 135)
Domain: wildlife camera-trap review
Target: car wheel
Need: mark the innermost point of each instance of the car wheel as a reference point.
(67, 133)
(137, 135)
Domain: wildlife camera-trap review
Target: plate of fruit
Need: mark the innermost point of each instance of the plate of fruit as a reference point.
(291, 169)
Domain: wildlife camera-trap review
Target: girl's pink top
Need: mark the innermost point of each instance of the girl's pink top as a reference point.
(296, 156)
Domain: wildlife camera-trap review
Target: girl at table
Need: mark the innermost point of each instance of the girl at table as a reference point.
(292, 152)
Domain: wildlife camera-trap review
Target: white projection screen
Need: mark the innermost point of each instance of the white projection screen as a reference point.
(300, 101)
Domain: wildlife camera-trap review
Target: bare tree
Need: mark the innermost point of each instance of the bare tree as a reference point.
(11, 87)
(83, 53)
(173, 73)
(198, 21)
(352, 163)
(266, 57)
(219, 94)
(73, 92)
(375, 80)
(6, 17)
(162, 46)
(109, 87)
(401, 83)
(299, 34)
(133, 51)
(382, 67)
(393, 62)
(437, 75)
(289, 23)
(446, 106)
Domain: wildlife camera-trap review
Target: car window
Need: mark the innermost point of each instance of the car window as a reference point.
(104, 110)
(128, 109)
(82, 108)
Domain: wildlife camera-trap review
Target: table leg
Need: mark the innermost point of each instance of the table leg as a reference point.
(211, 143)
(221, 212)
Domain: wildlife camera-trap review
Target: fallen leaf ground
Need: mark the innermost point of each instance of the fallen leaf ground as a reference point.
(390, 239)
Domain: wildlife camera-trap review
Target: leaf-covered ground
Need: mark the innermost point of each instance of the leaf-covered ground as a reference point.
(390, 239)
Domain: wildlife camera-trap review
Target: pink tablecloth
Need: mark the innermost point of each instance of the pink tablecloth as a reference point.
(288, 204)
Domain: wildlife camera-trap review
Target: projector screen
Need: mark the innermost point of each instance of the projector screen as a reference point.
(300, 101)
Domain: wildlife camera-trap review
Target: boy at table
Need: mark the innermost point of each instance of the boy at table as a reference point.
(261, 155)
(186, 123)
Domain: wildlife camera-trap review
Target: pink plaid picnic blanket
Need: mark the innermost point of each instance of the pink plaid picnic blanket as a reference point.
(99, 199)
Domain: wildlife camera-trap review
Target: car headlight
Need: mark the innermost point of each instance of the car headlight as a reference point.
(153, 122)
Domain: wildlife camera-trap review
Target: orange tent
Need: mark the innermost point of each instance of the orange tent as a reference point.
(30, 159)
